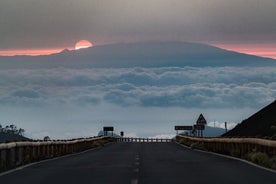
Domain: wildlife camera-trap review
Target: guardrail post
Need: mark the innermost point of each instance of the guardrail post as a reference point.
(44, 151)
(8, 158)
(31, 153)
(67, 149)
(49, 147)
(72, 148)
(242, 150)
(24, 153)
(16, 156)
(58, 149)
(62, 149)
(36, 152)
(39, 149)
(1, 160)
(54, 149)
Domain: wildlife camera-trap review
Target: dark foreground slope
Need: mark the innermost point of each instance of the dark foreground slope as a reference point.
(149, 54)
(260, 124)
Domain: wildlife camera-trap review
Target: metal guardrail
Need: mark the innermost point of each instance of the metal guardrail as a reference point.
(19, 153)
(135, 139)
(238, 146)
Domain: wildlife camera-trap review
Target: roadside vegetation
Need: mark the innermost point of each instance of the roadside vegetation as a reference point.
(12, 129)
(11, 133)
(256, 155)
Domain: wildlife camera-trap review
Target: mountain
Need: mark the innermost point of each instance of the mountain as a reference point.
(213, 131)
(146, 54)
(4, 137)
(261, 124)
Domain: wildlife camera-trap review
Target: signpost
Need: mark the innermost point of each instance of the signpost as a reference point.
(195, 129)
(182, 128)
(200, 125)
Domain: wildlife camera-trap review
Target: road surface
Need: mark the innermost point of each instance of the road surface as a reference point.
(143, 163)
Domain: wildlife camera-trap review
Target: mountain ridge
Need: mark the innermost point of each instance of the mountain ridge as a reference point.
(142, 54)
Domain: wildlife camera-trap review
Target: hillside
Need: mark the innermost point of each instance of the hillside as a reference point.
(259, 124)
(8, 137)
(148, 54)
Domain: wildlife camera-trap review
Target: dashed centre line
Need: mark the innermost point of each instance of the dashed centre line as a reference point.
(136, 170)
(134, 181)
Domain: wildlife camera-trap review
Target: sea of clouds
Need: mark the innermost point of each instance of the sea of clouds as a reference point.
(147, 87)
(78, 94)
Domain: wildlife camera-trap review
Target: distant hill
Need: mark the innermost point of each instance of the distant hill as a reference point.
(146, 54)
(261, 124)
(213, 131)
(8, 137)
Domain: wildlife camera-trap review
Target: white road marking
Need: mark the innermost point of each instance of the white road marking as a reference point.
(134, 181)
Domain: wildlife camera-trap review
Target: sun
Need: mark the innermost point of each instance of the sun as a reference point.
(82, 44)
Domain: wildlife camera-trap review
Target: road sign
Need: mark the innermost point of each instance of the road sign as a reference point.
(199, 127)
(107, 129)
(183, 128)
(201, 120)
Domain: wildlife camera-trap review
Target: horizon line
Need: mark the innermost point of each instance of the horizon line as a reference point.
(261, 50)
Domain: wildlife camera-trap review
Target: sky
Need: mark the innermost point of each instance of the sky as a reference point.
(38, 26)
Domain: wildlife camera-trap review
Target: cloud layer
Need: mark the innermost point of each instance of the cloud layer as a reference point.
(65, 103)
(226, 87)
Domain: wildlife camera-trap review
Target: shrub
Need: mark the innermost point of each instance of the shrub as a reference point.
(235, 152)
(260, 159)
(273, 137)
(198, 145)
(184, 141)
(100, 143)
(272, 162)
(273, 127)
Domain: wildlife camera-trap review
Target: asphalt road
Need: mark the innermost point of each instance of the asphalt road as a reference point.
(143, 163)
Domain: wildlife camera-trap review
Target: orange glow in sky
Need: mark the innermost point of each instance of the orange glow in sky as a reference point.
(31, 52)
(263, 50)
(44, 51)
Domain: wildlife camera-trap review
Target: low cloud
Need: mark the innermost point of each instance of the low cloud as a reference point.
(163, 136)
(226, 87)
(25, 94)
